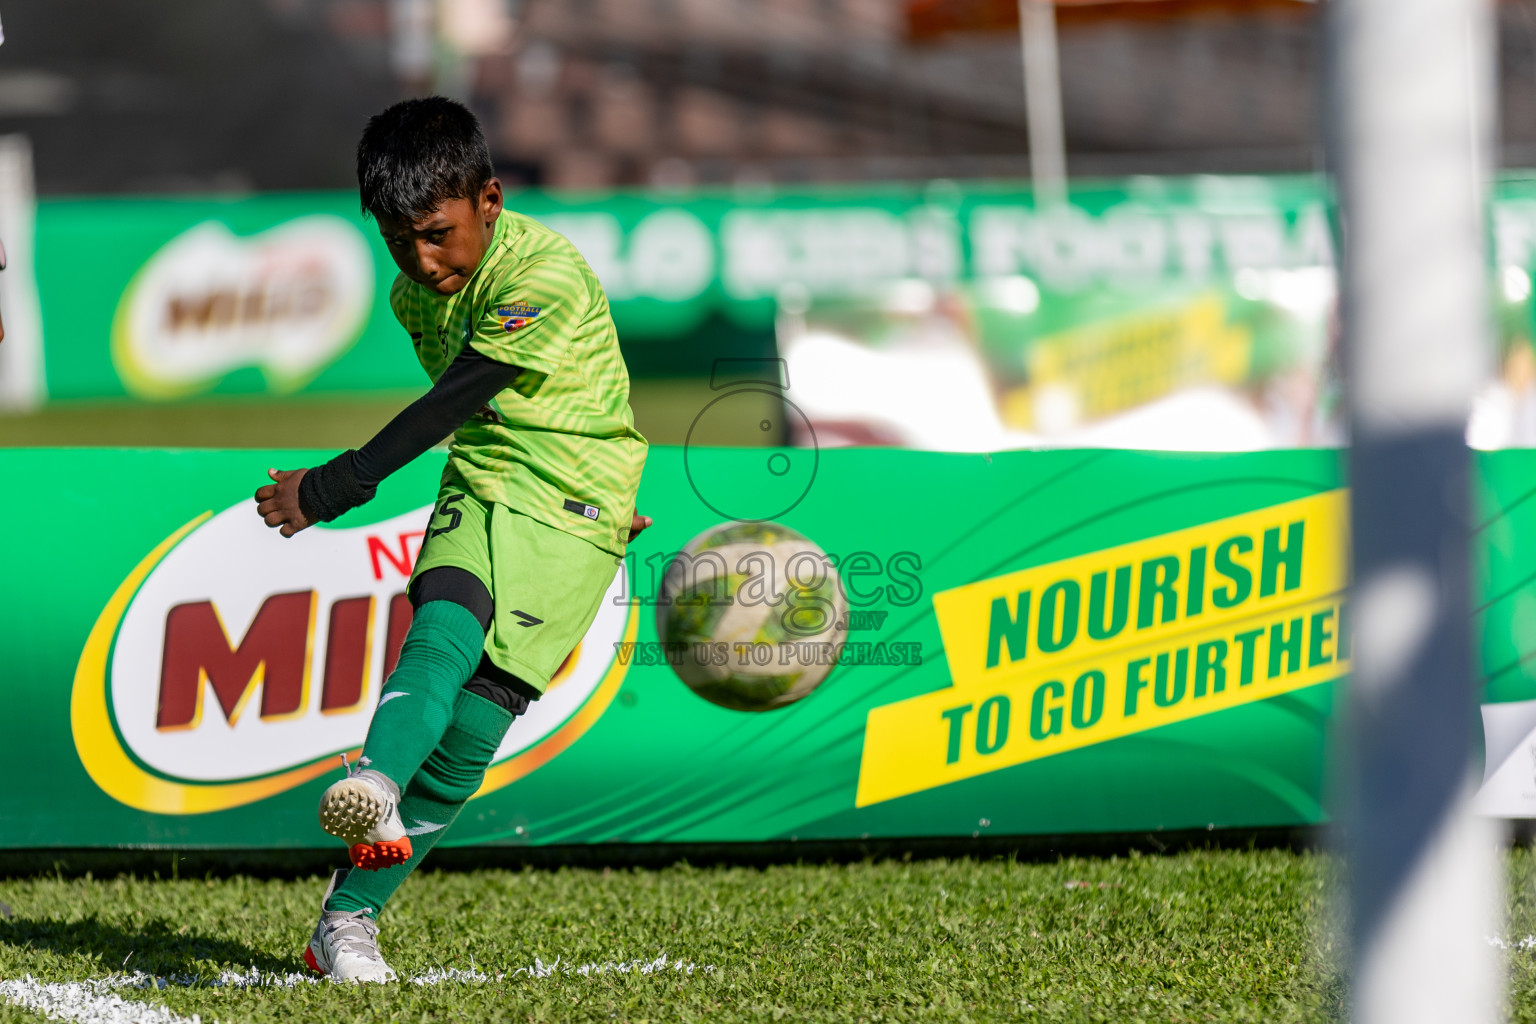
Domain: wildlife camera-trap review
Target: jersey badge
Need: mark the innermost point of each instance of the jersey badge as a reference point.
(581, 508)
(516, 315)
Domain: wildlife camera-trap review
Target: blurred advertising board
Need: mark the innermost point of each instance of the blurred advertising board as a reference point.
(1191, 313)
(1196, 315)
(1029, 643)
(162, 298)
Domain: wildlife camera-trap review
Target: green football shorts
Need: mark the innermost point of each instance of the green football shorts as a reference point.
(546, 585)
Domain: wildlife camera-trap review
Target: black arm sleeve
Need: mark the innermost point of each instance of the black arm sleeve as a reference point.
(350, 479)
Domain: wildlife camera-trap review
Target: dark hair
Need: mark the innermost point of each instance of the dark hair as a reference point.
(417, 155)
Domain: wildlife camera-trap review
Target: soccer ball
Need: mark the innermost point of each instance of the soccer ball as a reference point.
(751, 615)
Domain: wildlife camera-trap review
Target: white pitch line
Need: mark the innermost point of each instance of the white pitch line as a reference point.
(257, 978)
(83, 1001)
(95, 1001)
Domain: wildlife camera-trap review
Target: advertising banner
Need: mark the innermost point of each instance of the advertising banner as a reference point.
(836, 645)
(1164, 313)
(160, 299)
(807, 645)
(279, 293)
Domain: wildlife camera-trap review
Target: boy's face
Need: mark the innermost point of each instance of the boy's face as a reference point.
(442, 248)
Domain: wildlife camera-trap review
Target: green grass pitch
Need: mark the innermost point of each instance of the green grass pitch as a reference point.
(664, 412)
(1225, 936)
(1207, 936)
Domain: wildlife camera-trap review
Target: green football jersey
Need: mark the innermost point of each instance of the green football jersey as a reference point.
(560, 444)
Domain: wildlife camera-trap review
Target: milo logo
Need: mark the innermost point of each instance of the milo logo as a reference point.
(287, 301)
(233, 664)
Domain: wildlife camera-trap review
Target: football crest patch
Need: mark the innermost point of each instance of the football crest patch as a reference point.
(515, 316)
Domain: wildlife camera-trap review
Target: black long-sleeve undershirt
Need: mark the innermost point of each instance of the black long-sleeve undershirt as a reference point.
(351, 478)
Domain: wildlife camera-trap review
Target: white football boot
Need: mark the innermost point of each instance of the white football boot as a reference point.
(345, 945)
(363, 811)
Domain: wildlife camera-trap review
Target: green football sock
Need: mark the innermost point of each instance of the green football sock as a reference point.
(440, 653)
(448, 778)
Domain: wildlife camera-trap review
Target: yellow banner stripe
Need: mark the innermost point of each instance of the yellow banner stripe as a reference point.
(963, 732)
(1144, 592)
(1114, 642)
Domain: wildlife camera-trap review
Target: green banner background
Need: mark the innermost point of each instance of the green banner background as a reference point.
(662, 764)
(1504, 572)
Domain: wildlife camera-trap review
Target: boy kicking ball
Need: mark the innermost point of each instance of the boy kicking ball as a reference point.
(535, 508)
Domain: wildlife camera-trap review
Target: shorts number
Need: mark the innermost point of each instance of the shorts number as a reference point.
(454, 515)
